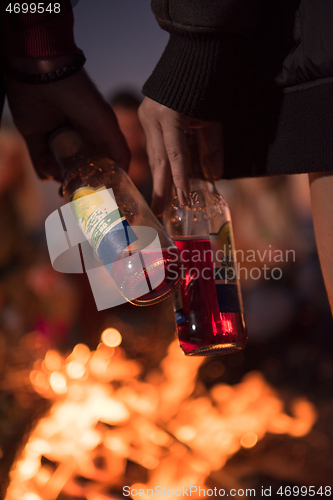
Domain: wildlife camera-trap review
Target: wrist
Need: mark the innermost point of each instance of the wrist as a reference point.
(35, 66)
(43, 71)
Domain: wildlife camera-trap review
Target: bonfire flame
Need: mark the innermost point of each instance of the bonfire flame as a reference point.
(108, 427)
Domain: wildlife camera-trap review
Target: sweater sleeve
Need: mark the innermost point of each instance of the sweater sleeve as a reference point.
(38, 35)
(206, 52)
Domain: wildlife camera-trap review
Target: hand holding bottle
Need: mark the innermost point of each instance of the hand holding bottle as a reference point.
(37, 110)
(167, 150)
(208, 305)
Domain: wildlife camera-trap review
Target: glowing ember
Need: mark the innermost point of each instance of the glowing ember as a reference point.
(111, 337)
(58, 383)
(108, 427)
(249, 439)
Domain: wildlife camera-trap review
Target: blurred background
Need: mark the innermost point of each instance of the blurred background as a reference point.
(265, 414)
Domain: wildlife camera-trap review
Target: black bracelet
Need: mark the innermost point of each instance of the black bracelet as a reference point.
(52, 77)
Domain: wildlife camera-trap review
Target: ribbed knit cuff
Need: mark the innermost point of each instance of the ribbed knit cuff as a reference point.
(195, 74)
(39, 35)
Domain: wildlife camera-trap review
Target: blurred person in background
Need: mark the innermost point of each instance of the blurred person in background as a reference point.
(12, 181)
(256, 79)
(125, 104)
(15, 247)
(270, 215)
(276, 251)
(32, 295)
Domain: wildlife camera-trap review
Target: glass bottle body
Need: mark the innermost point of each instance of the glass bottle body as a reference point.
(208, 305)
(139, 261)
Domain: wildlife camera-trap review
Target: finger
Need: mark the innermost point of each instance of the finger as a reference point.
(161, 171)
(158, 161)
(158, 197)
(212, 150)
(176, 148)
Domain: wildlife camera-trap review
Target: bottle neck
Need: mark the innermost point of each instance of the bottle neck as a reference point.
(81, 159)
(67, 165)
(85, 162)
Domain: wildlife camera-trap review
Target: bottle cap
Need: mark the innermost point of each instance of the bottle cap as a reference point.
(65, 142)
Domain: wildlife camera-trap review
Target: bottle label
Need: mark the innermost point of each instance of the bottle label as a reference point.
(223, 256)
(224, 265)
(178, 306)
(97, 213)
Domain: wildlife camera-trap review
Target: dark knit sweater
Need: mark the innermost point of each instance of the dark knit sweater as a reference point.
(263, 68)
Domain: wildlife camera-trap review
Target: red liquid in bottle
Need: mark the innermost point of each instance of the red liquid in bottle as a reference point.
(209, 321)
(133, 272)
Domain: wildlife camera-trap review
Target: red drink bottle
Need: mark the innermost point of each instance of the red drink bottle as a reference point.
(208, 304)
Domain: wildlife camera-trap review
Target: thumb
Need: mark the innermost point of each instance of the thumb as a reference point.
(43, 160)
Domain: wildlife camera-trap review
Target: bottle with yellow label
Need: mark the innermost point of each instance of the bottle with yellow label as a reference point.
(123, 232)
(208, 305)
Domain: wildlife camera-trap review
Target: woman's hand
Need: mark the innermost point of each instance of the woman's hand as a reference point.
(166, 147)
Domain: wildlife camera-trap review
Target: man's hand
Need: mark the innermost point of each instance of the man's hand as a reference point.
(166, 147)
(38, 110)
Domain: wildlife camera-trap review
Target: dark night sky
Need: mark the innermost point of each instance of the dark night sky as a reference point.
(121, 40)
